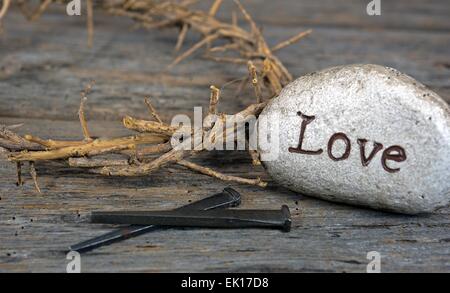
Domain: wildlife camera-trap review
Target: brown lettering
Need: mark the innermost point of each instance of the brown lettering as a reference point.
(365, 161)
(348, 147)
(394, 153)
(305, 121)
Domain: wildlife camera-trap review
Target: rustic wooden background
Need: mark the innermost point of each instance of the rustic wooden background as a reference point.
(44, 65)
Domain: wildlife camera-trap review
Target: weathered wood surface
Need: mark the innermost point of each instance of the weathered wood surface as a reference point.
(44, 65)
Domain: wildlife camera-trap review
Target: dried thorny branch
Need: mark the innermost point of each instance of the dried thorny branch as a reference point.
(221, 41)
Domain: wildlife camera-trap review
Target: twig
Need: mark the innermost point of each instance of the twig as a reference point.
(4, 8)
(38, 12)
(111, 150)
(234, 19)
(224, 48)
(6, 133)
(221, 176)
(34, 176)
(215, 7)
(14, 126)
(172, 156)
(81, 115)
(266, 72)
(192, 50)
(213, 100)
(226, 59)
(291, 41)
(12, 141)
(241, 86)
(255, 81)
(83, 122)
(272, 76)
(249, 19)
(85, 162)
(152, 110)
(90, 21)
(95, 163)
(154, 149)
(94, 146)
(148, 126)
(12, 147)
(52, 144)
(181, 36)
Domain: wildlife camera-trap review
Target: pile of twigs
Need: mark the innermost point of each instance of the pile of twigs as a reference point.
(267, 75)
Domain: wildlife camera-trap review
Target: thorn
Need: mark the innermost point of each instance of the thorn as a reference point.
(248, 17)
(215, 7)
(152, 110)
(34, 176)
(40, 10)
(81, 115)
(90, 22)
(181, 37)
(14, 126)
(234, 18)
(255, 81)
(194, 48)
(291, 40)
(4, 8)
(213, 100)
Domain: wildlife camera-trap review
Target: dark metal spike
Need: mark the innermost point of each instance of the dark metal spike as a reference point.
(227, 198)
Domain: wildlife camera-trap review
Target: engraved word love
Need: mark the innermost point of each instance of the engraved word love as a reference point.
(392, 153)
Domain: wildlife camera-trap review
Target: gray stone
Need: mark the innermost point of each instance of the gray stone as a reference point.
(410, 170)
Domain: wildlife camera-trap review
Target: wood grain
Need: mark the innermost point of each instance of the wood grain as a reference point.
(44, 65)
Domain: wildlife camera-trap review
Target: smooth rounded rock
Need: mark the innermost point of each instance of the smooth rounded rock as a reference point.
(363, 135)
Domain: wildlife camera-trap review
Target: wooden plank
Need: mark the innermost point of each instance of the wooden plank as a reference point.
(44, 65)
(395, 15)
(36, 229)
(42, 73)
